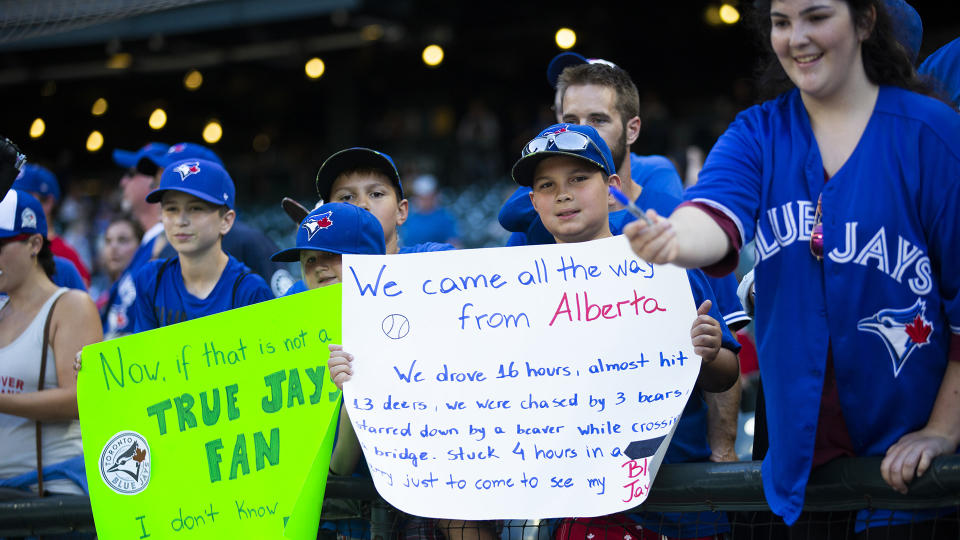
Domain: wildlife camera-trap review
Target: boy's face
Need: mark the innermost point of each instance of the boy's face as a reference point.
(373, 192)
(320, 268)
(192, 225)
(571, 198)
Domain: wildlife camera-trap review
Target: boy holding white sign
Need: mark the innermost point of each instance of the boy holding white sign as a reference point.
(570, 170)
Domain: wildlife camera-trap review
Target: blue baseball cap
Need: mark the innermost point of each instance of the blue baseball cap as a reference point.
(129, 159)
(567, 59)
(337, 228)
(582, 142)
(37, 179)
(21, 213)
(355, 158)
(180, 152)
(203, 179)
(907, 26)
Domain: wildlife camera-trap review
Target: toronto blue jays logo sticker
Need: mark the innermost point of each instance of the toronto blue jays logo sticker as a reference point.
(317, 222)
(125, 463)
(186, 169)
(901, 330)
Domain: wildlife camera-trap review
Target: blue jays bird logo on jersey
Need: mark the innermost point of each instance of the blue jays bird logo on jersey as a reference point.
(902, 331)
(317, 222)
(186, 169)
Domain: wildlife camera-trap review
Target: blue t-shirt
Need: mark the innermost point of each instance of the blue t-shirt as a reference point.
(65, 274)
(655, 174)
(944, 67)
(253, 248)
(437, 225)
(886, 297)
(168, 302)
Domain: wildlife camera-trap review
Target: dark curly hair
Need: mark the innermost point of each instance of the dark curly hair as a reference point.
(885, 60)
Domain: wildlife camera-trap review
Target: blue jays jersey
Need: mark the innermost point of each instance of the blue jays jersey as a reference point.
(885, 297)
(168, 302)
(117, 316)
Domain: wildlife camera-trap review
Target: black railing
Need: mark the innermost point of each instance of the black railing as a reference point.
(843, 485)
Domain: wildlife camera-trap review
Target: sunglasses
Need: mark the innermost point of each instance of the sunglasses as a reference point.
(816, 235)
(566, 140)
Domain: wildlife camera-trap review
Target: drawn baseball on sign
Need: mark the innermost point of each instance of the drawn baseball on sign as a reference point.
(395, 326)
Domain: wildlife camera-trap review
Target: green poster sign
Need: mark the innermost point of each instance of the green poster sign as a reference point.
(219, 427)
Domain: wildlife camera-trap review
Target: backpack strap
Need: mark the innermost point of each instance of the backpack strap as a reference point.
(156, 286)
(43, 375)
(236, 285)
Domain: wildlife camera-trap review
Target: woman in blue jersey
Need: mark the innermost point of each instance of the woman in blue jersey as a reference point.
(849, 181)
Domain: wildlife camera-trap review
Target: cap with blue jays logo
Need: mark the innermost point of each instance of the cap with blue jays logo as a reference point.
(351, 159)
(186, 150)
(149, 163)
(337, 228)
(128, 159)
(203, 179)
(37, 179)
(21, 213)
(581, 142)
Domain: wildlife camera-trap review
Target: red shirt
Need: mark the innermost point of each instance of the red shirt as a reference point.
(63, 249)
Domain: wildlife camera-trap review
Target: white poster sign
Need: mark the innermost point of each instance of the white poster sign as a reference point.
(527, 382)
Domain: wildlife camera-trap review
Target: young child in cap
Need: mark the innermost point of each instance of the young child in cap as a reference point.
(369, 179)
(570, 169)
(197, 200)
(324, 236)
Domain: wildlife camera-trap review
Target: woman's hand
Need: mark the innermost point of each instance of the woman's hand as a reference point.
(655, 243)
(911, 456)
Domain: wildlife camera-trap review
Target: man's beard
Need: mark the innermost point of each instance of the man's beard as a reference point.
(619, 150)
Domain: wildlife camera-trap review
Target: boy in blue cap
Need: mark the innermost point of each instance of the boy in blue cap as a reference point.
(570, 169)
(249, 245)
(197, 200)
